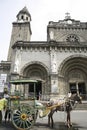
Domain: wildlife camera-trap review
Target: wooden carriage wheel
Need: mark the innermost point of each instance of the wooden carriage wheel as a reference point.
(24, 117)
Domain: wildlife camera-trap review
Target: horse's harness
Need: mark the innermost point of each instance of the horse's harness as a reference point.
(68, 105)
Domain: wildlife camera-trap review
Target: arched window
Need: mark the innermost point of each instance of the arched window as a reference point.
(72, 38)
(22, 17)
(27, 18)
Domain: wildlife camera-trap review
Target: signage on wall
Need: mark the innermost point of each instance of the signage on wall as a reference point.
(2, 81)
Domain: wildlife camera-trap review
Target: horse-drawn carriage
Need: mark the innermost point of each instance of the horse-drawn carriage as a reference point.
(23, 109)
(20, 108)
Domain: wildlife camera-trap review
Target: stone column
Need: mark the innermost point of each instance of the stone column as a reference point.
(77, 88)
(54, 83)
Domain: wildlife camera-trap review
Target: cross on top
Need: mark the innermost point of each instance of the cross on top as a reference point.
(67, 15)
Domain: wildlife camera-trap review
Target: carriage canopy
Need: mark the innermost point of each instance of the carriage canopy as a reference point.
(23, 81)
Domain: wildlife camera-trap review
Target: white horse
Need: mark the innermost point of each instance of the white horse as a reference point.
(66, 105)
(60, 104)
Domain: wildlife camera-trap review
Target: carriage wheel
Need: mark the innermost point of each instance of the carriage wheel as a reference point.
(24, 117)
(0, 116)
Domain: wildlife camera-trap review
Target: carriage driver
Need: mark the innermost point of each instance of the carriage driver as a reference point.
(6, 95)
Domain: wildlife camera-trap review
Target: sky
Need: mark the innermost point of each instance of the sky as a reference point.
(42, 11)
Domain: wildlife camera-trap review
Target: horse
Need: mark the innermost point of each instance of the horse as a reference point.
(66, 105)
(3, 104)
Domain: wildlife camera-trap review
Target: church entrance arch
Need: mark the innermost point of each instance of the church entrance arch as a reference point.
(73, 72)
(78, 87)
(38, 72)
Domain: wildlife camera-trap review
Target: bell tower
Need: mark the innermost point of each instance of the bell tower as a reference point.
(21, 30)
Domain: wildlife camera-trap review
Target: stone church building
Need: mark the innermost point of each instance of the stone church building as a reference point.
(60, 63)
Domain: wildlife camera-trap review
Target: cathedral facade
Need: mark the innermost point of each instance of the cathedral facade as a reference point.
(59, 64)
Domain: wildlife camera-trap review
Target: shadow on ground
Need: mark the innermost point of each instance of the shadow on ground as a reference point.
(44, 126)
(62, 126)
(6, 126)
(59, 126)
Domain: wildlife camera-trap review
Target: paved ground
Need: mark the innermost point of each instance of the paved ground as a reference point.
(79, 122)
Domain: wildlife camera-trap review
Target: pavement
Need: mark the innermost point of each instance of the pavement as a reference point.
(78, 118)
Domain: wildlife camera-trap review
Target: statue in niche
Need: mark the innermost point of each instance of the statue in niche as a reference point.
(16, 66)
(54, 67)
(51, 35)
(16, 63)
(53, 64)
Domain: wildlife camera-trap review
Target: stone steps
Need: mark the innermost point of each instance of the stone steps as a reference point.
(82, 106)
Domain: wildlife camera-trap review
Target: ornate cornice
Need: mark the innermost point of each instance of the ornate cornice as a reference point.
(51, 45)
(68, 23)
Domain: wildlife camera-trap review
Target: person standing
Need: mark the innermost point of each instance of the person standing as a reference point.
(69, 94)
(39, 95)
